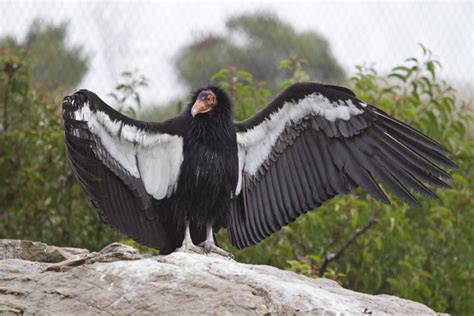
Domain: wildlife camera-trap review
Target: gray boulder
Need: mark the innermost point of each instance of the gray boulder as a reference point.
(120, 281)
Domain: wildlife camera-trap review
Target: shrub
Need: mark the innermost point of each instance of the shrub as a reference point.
(39, 197)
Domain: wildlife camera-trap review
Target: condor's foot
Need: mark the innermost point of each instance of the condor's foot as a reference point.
(188, 245)
(190, 248)
(210, 246)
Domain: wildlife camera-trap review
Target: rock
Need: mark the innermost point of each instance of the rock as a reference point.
(110, 253)
(36, 251)
(118, 280)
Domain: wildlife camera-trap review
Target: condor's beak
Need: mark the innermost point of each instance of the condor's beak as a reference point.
(204, 103)
(200, 106)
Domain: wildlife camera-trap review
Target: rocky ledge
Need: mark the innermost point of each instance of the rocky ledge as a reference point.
(39, 279)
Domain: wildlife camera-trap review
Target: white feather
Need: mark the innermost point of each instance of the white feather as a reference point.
(175, 159)
(130, 133)
(154, 157)
(83, 113)
(122, 152)
(241, 154)
(154, 171)
(255, 145)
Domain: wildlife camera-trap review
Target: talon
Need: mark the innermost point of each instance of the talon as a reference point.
(209, 247)
(188, 245)
(190, 249)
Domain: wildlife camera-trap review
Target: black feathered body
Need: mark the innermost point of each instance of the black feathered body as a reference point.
(209, 173)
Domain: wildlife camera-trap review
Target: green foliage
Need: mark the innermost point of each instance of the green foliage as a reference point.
(256, 43)
(39, 196)
(126, 94)
(50, 61)
(293, 66)
(424, 254)
(243, 89)
(162, 112)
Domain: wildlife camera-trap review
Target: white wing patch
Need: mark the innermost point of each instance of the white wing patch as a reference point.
(241, 155)
(154, 157)
(159, 167)
(255, 145)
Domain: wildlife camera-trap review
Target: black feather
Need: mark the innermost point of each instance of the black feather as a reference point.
(311, 160)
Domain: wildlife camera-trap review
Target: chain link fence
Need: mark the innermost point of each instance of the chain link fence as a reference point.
(147, 36)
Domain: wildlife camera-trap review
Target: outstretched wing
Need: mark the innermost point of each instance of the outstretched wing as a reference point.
(315, 141)
(123, 164)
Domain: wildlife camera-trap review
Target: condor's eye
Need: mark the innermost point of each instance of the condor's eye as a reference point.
(211, 99)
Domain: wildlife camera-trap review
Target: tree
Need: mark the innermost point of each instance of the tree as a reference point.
(39, 197)
(51, 61)
(257, 43)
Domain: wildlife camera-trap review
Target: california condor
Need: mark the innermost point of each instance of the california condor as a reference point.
(171, 185)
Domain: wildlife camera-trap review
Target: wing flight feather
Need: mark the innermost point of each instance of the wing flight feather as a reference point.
(315, 141)
(124, 165)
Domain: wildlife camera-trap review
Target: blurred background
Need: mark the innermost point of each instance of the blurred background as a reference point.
(177, 46)
(414, 59)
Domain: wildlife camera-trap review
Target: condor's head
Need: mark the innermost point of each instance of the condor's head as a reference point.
(210, 102)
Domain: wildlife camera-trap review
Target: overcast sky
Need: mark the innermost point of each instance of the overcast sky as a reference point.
(122, 35)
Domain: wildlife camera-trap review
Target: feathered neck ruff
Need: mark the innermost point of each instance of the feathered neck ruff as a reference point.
(217, 123)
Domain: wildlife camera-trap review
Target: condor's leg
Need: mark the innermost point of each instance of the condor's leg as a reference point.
(210, 246)
(188, 245)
